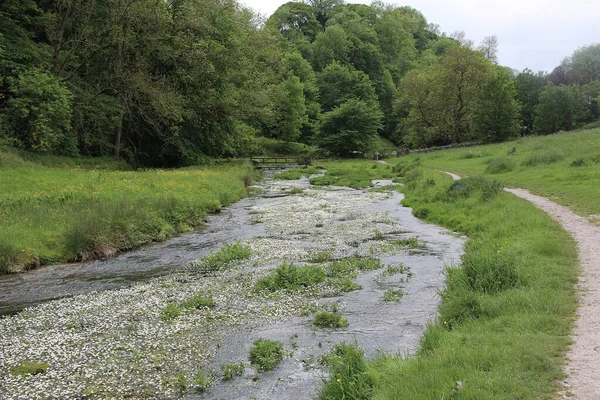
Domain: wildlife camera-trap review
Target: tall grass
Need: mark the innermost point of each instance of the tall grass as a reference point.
(55, 214)
(506, 312)
(355, 174)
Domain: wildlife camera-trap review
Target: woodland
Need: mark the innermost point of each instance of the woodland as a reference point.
(181, 82)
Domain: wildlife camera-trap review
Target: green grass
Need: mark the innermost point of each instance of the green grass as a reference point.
(392, 295)
(291, 277)
(354, 174)
(296, 173)
(224, 257)
(199, 301)
(232, 370)
(506, 312)
(266, 354)
(29, 368)
(562, 167)
(67, 212)
(326, 319)
(349, 377)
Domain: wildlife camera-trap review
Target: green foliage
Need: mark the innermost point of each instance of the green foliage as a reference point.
(500, 166)
(353, 174)
(391, 295)
(487, 189)
(326, 319)
(529, 85)
(29, 368)
(560, 108)
(170, 312)
(199, 301)
(543, 157)
(512, 299)
(291, 109)
(291, 277)
(224, 257)
(232, 370)
(320, 257)
(39, 113)
(349, 376)
(412, 242)
(201, 380)
(495, 117)
(266, 354)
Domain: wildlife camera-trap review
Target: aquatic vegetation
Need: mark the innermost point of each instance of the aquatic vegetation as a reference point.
(232, 370)
(325, 319)
(224, 257)
(266, 354)
(392, 295)
(291, 277)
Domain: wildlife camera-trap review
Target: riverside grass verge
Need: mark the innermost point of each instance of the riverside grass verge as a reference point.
(563, 167)
(54, 214)
(506, 312)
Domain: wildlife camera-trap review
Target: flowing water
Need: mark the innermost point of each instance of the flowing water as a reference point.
(125, 295)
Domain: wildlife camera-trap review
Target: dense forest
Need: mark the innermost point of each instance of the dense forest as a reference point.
(174, 82)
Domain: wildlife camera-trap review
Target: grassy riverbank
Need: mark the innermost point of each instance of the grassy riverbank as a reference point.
(56, 210)
(562, 167)
(506, 312)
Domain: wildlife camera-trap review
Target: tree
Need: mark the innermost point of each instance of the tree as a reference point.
(529, 85)
(338, 84)
(584, 65)
(291, 109)
(329, 46)
(350, 127)
(489, 48)
(495, 118)
(560, 108)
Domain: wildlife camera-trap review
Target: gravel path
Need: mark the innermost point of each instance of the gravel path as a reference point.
(583, 358)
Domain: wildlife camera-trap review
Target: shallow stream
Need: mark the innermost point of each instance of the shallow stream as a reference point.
(105, 337)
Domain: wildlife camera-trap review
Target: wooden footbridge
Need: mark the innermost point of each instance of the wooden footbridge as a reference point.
(280, 162)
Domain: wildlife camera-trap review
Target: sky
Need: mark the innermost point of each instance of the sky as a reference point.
(534, 34)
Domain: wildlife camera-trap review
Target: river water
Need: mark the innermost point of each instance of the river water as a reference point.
(105, 336)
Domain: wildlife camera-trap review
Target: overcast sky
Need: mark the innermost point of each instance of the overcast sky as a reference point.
(535, 34)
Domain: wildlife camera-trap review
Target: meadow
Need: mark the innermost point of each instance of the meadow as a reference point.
(56, 209)
(564, 167)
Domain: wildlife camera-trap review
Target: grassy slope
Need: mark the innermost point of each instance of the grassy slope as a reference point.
(53, 214)
(577, 187)
(506, 312)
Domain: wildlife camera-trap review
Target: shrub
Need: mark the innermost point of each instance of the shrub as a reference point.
(500, 166)
(348, 375)
(327, 319)
(467, 187)
(291, 277)
(232, 369)
(266, 354)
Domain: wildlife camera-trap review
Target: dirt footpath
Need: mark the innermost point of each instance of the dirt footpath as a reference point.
(583, 359)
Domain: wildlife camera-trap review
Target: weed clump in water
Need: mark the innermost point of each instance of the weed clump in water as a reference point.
(326, 319)
(392, 295)
(291, 277)
(266, 354)
(232, 369)
(170, 312)
(29, 368)
(225, 256)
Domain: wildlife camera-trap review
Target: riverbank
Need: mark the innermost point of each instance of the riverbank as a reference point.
(73, 211)
(506, 312)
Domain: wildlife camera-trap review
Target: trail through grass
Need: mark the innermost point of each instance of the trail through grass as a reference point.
(564, 167)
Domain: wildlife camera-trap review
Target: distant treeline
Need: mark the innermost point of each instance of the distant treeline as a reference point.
(172, 82)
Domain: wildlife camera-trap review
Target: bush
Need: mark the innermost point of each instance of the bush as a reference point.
(327, 319)
(266, 354)
(500, 166)
(291, 277)
(467, 187)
